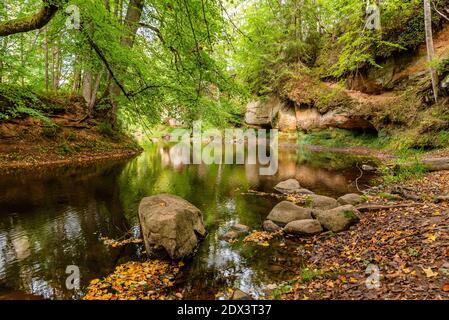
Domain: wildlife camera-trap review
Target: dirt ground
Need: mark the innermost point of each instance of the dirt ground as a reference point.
(27, 143)
(396, 253)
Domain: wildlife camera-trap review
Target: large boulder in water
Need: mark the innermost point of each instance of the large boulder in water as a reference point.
(286, 212)
(171, 226)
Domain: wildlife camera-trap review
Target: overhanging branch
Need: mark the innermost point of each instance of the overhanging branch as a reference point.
(29, 23)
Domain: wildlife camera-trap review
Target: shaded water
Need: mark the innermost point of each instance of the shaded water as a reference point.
(50, 219)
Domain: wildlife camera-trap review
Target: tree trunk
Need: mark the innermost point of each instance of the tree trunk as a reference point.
(87, 86)
(4, 45)
(96, 87)
(430, 47)
(57, 67)
(132, 20)
(76, 75)
(46, 60)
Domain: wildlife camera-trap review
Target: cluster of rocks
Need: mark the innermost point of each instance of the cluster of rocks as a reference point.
(319, 213)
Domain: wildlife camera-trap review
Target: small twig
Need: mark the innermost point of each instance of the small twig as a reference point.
(357, 180)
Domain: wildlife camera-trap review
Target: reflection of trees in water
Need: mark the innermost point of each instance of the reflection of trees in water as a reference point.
(49, 219)
(49, 222)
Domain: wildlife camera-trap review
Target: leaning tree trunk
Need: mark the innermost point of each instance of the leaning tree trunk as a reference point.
(430, 47)
(132, 20)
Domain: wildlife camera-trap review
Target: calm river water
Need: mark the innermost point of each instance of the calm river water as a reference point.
(50, 219)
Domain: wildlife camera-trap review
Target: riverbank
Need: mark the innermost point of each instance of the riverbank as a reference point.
(26, 144)
(399, 252)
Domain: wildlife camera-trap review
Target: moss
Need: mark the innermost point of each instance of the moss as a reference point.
(350, 215)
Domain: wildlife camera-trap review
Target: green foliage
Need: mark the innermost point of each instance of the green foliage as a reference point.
(20, 101)
(403, 170)
(65, 149)
(105, 128)
(176, 66)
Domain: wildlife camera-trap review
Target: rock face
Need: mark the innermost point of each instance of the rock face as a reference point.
(338, 219)
(352, 198)
(286, 119)
(309, 119)
(270, 226)
(288, 186)
(171, 226)
(321, 202)
(286, 212)
(262, 113)
(303, 227)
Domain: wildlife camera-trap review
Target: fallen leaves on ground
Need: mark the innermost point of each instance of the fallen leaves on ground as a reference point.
(409, 246)
(151, 280)
(120, 243)
(261, 238)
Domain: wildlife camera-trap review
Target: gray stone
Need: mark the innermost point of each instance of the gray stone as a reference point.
(240, 228)
(351, 198)
(304, 191)
(171, 226)
(286, 212)
(288, 186)
(338, 219)
(321, 202)
(368, 168)
(303, 227)
(230, 236)
(240, 295)
(270, 226)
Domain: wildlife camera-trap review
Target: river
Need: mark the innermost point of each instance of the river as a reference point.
(50, 219)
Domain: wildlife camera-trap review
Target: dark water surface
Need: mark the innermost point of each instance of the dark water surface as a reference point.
(50, 219)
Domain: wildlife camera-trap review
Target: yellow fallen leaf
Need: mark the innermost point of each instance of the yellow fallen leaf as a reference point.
(429, 272)
(431, 237)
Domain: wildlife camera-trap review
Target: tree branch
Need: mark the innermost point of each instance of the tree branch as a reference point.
(29, 23)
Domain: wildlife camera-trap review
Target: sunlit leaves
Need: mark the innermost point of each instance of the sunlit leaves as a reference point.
(152, 280)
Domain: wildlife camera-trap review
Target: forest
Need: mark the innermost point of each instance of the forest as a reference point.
(354, 97)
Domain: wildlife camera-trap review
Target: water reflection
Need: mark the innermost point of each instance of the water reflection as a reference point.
(52, 219)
